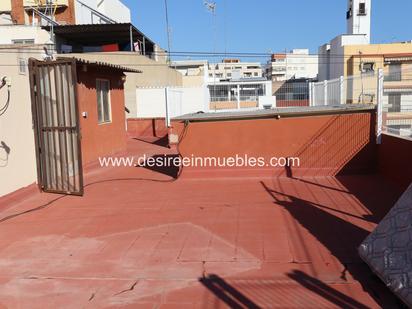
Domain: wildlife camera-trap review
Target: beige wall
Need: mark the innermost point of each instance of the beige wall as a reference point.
(18, 169)
(155, 74)
(372, 52)
(193, 81)
(376, 53)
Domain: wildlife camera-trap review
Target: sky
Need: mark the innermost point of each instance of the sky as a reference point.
(262, 26)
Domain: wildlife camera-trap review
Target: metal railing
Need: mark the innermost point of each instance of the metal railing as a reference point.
(291, 93)
(235, 96)
(360, 89)
(390, 91)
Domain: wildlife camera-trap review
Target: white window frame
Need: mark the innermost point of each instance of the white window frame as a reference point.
(109, 102)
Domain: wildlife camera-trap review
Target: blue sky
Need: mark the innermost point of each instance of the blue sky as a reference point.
(263, 26)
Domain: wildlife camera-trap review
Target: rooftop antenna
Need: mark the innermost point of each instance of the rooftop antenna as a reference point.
(211, 7)
(168, 30)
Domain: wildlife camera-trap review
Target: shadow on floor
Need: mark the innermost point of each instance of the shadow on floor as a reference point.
(316, 286)
(227, 293)
(340, 237)
(299, 292)
(164, 164)
(162, 141)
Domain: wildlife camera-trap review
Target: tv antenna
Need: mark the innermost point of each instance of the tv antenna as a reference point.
(210, 6)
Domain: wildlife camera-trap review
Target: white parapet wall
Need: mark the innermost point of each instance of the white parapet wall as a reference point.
(151, 102)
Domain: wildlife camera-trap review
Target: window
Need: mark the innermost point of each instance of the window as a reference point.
(256, 74)
(103, 101)
(362, 9)
(395, 73)
(394, 100)
(23, 42)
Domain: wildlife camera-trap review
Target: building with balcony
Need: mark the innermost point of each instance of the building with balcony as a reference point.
(298, 64)
(43, 12)
(230, 69)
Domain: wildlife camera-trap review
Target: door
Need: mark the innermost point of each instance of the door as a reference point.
(56, 126)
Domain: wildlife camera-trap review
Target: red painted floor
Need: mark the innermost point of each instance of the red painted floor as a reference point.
(138, 239)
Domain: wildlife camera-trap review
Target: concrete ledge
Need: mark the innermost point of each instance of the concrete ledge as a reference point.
(285, 112)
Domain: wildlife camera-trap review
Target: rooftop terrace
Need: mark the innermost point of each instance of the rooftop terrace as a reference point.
(142, 238)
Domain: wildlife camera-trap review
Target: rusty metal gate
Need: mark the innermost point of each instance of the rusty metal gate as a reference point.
(56, 124)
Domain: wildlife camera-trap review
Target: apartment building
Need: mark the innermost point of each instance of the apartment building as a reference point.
(194, 72)
(230, 69)
(298, 64)
(352, 54)
(42, 12)
(21, 21)
(333, 56)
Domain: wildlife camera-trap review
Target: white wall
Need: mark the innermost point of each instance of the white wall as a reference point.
(360, 24)
(151, 102)
(19, 32)
(334, 66)
(302, 66)
(18, 168)
(113, 9)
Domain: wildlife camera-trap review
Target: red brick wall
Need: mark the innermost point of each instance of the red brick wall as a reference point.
(326, 145)
(291, 103)
(101, 139)
(63, 14)
(17, 12)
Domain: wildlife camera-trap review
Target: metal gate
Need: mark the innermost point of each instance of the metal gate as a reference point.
(56, 124)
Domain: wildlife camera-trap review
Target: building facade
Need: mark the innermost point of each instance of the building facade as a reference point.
(195, 73)
(332, 55)
(298, 64)
(230, 69)
(42, 12)
(21, 21)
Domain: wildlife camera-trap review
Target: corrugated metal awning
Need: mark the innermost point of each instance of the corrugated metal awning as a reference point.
(97, 34)
(103, 64)
(398, 59)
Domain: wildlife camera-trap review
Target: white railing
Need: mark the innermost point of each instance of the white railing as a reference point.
(390, 92)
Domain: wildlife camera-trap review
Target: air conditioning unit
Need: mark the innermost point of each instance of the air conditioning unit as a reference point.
(367, 67)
